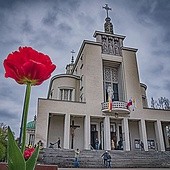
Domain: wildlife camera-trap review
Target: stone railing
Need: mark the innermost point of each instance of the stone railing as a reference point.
(115, 105)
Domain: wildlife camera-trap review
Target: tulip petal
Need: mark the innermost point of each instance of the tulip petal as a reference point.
(12, 70)
(28, 66)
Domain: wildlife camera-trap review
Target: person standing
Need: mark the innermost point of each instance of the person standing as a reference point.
(120, 144)
(76, 161)
(96, 144)
(40, 144)
(112, 144)
(142, 146)
(58, 142)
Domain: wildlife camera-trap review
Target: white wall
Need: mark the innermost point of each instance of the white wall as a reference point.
(134, 132)
(79, 133)
(56, 129)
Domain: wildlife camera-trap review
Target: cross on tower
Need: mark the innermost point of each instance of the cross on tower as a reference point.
(73, 127)
(72, 59)
(106, 7)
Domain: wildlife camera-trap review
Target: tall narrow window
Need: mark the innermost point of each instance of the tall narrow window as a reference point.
(66, 94)
(115, 92)
(111, 79)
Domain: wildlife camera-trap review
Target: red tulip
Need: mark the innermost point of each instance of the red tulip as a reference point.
(28, 152)
(28, 66)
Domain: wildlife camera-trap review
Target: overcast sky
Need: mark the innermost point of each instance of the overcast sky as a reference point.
(55, 27)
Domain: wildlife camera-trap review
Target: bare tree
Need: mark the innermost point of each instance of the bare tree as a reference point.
(167, 104)
(161, 103)
(3, 141)
(152, 103)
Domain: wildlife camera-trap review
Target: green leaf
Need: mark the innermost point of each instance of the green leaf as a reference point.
(31, 162)
(15, 158)
(2, 151)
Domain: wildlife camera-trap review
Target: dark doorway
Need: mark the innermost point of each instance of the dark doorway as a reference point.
(120, 133)
(120, 142)
(94, 135)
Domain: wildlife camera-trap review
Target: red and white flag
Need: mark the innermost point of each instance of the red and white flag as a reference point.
(131, 105)
(110, 104)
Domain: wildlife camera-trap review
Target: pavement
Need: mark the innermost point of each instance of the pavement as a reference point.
(114, 168)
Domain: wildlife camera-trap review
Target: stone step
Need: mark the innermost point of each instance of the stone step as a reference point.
(92, 159)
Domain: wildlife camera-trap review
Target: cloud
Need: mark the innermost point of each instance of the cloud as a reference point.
(6, 114)
(167, 85)
(51, 17)
(55, 27)
(27, 27)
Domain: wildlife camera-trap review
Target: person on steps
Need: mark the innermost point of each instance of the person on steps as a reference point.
(105, 156)
(76, 160)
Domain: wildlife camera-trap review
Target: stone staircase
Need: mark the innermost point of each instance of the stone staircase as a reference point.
(92, 158)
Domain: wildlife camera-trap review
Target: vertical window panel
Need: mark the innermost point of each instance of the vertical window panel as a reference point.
(66, 94)
(111, 79)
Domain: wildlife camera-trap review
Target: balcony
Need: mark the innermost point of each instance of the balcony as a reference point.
(117, 107)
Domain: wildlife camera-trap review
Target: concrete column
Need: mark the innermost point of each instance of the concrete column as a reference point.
(143, 134)
(159, 136)
(87, 132)
(126, 139)
(41, 132)
(73, 98)
(66, 131)
(107, 142)
(58, 94)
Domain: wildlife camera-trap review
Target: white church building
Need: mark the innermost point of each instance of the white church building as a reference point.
(78, 110)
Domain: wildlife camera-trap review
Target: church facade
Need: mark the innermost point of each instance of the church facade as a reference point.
(100, 103)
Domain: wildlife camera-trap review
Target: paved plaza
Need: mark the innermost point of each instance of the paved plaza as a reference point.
(114, 168)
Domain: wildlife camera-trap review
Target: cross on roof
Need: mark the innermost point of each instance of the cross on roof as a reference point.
(72, 52)
(72, 58)
(106, 7)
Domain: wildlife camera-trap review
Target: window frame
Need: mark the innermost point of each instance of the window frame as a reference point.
(113, 83)
(66, 94)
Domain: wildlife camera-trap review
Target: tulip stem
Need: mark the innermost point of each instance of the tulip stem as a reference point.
(25, 115)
